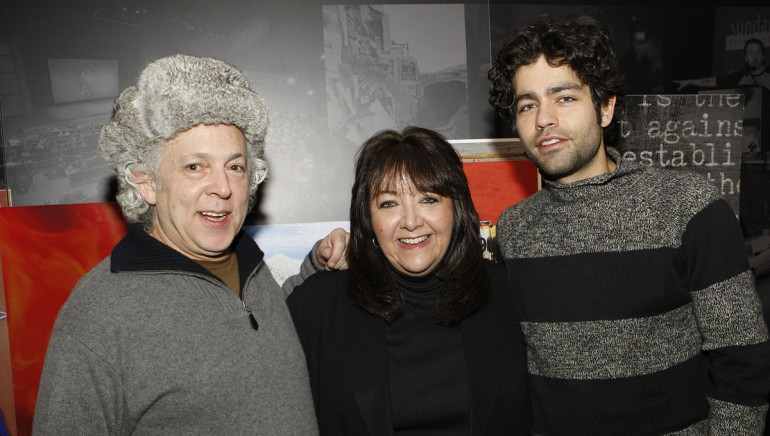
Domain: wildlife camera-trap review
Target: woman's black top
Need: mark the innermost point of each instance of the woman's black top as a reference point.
(426, 365)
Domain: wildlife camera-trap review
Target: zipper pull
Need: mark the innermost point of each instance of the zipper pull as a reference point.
(252, 320)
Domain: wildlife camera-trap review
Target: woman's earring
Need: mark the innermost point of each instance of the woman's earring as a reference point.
(374, 242)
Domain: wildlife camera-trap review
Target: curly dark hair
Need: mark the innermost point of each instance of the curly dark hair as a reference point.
(426, 159)
(581, 45)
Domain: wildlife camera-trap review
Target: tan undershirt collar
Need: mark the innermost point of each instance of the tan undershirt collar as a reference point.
(226, 270)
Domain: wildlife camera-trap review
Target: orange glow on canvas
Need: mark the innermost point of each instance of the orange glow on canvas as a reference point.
(45, 250)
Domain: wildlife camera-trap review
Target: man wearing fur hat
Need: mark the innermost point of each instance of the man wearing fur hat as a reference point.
(183, 329)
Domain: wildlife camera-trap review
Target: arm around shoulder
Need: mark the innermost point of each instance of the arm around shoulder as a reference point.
(327, 254)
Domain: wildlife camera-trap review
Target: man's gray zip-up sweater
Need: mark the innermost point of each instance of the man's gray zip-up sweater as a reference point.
(150, 342)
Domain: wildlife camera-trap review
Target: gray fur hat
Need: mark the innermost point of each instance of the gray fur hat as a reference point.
(173, 94)
(178, 92)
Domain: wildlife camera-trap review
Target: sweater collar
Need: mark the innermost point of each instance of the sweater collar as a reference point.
(596, 180)
(624, 168)
(138, 251)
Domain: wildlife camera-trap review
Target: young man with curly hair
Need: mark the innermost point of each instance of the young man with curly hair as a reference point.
(638, 306)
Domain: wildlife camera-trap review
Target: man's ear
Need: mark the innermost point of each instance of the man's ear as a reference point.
(608, 111)
(146, 185)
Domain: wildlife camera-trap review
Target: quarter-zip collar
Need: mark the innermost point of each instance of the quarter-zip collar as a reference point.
(138, 251)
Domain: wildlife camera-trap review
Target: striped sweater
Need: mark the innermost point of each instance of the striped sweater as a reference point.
(639, 311)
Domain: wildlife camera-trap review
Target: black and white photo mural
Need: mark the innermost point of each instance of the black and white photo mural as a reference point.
(331, 75)
(389, 66)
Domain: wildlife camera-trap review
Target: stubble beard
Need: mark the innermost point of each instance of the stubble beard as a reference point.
(564, 163)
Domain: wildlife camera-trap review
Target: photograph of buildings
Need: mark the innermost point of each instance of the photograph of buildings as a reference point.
(389, 66)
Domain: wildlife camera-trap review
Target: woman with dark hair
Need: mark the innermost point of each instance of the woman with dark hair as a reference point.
(419, 336)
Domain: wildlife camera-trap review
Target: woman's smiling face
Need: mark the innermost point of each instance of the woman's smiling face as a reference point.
(413, 229)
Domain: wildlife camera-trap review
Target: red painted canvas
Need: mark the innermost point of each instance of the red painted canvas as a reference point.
(495, 185)
(45, 250)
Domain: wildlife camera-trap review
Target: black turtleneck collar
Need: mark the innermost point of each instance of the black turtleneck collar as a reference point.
(420, 294)
(424, 283)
